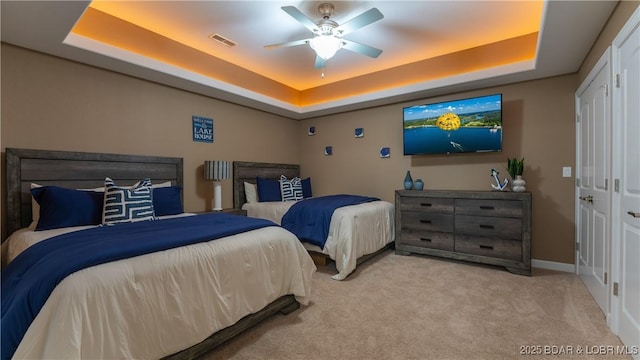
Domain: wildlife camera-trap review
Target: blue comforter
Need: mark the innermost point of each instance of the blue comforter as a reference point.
(309, 219)
(30, 278)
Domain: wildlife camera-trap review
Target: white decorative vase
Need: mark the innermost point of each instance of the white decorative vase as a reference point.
(518, 184)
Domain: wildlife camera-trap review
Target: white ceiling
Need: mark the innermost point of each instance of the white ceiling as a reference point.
(410, 31)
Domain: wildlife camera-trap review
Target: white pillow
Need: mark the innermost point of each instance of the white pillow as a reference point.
(162, 185)
(291, 190)
(127, 204)
(35, 208)
(250, 192)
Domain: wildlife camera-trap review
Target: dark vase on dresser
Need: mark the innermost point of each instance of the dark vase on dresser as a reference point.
(408, 181)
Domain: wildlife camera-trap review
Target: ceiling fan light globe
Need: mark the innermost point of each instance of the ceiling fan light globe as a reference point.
(325, 46)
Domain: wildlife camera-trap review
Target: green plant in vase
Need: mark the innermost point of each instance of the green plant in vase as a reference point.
(515, 167)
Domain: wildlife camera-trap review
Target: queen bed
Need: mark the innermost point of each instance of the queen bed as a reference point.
(355, 232)
(177, 301)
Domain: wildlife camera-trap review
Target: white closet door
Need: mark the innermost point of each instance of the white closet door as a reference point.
(626, 169)
(593, 171)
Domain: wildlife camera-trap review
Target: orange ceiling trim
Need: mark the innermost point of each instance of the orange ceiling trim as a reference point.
(111, 30)
(105, 28)
(492, 55)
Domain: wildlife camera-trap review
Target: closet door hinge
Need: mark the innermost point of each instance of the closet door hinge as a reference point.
(617, 80)
(577, 182)
(577, 118)
(606, 89)
(615, 289)
(616, 185)
(577, 246)
(605, 278)
(606, 184)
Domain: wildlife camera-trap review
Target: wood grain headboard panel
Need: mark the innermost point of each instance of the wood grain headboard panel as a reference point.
(249, 171)
(76, 170)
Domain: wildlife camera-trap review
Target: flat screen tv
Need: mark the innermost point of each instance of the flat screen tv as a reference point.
(456, 126)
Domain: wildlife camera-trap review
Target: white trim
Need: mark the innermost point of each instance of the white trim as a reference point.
(552, 265)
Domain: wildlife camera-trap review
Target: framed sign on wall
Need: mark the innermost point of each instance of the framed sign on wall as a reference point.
(202, 129)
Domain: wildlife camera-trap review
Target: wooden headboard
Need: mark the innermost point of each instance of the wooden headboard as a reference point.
(76, 170)
(249, 171)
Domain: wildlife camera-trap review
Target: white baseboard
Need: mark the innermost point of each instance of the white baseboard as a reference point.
(552, 265)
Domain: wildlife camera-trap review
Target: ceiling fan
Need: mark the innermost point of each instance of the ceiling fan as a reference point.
(327, 34)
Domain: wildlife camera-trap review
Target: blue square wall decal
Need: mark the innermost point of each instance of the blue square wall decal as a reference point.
(385, 152)
(328, 150)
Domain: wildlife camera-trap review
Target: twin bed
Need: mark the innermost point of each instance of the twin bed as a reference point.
(356, 232)
(181, 301)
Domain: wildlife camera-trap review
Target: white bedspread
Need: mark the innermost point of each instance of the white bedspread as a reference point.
(157, 304)
(354, 231)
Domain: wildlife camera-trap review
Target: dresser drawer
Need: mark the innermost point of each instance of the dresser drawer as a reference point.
(495, 248)
(486, 226)
(427, 239)
(426, 221)
(427, 204)
(489, 207)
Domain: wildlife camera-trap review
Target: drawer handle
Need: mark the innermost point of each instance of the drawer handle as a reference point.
(425, 204)
(486, 226)
(425, 239)
(486, 207)
(425, 221)
(487, 247)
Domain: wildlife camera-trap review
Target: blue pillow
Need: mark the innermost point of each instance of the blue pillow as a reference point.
(62, 207)
(166, 201)
(306, 187)
(268, 190)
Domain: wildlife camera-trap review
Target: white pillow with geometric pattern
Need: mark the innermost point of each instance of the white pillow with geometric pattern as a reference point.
(127, 204)
(291, 190)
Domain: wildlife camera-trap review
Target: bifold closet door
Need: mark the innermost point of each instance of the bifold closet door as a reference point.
(593, 171)
(626, 195)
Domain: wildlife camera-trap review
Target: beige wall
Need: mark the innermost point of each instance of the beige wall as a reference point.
(50, 103)
(616, 21)
(55, 104)
(538, 124)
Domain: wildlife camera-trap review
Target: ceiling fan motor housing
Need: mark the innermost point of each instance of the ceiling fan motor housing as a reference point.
(326, 25)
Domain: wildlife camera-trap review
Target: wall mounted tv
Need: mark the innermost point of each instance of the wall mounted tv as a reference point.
(456, 126)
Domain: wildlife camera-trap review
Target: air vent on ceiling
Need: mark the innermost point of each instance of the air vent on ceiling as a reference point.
(223, 40)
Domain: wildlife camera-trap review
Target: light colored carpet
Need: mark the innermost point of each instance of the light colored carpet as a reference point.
(415, 307)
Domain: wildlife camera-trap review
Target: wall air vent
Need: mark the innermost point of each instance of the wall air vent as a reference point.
(223, 40)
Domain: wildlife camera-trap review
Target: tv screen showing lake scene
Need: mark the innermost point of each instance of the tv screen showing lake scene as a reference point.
(458, 126)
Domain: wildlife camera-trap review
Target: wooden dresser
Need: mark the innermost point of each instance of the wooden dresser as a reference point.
(489, 227)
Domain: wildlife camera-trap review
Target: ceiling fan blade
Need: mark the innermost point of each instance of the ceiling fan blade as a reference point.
(302, 18)
(361, 48)
(319, 62)
(364, 19)
(288, 44)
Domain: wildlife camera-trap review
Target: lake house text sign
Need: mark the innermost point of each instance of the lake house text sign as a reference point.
(202, 129)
